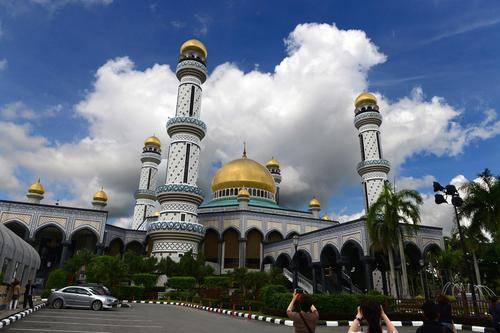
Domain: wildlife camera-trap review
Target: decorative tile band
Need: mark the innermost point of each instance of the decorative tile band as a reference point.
(176, 226)
(179, 188)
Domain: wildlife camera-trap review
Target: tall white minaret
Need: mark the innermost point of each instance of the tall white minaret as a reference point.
(177, 230)
(274, 168)
(145, 196)
(373, 169)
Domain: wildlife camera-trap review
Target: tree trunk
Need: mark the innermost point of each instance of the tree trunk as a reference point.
(392, 277)
(404, 282)
(476, 268)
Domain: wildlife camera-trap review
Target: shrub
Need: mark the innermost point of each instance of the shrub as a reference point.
(267, 292)
(58, 278)
(221, 282)
(182, 282)
(181, 295)
(279, 301)
(107, 270)
(128, 292)
(146, 280)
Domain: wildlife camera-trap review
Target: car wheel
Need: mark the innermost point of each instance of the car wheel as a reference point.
(96, 305)
(57, 304)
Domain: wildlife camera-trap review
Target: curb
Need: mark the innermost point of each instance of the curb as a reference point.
(17, 316)
(286, 322)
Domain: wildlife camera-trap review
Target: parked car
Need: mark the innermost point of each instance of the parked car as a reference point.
(102, 289)
(81, 297)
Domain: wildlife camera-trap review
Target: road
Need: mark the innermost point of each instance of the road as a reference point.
(147, 318)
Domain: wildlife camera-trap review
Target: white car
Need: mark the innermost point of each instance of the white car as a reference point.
(81, 297)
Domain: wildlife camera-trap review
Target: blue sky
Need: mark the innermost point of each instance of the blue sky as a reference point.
(52, 50)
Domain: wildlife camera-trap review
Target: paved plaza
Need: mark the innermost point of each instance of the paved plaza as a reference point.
(149, 318)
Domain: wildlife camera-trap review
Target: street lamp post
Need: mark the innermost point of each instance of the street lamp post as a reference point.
(295, 240)
(456, 201)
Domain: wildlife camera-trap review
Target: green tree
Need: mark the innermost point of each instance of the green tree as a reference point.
(139, 264)
(108, 270)
(482, 204)
(81, 259)
(58, 278)
(238, 276)
(384, 220)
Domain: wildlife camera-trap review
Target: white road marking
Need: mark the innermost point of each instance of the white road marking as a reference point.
(94, 318)
(88, 324)
(51, 330)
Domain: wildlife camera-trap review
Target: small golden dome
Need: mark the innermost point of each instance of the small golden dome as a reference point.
(365, 97)
(157, 213)
(273, 163)
(243, 172)
(153, 141)
(101, 196)
(243, 193)
(195, 45)
(326, 217)
(314, 203)
(36, 187)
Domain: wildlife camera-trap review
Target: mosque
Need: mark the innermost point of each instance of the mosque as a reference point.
(243, 224)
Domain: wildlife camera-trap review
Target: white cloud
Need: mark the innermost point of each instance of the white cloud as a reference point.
(412, 183)
(302, 113)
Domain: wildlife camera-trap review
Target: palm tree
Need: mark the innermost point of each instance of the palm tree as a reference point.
(384, 220)
(482, 204)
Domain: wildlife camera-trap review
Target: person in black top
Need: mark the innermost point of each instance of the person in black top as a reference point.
(494, 310)
(431, 323)
(444, 310)
(28, 294)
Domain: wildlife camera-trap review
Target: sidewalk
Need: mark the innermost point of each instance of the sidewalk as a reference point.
(7, 317)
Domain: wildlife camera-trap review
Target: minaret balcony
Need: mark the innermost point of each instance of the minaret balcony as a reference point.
(380, 165)
(189, 125)
(191, 67)
(179, 192)
(148, 156)
(369, 117)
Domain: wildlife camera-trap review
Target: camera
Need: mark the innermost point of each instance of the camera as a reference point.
(299, 291)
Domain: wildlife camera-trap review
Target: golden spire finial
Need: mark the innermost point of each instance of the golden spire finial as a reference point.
(244, 149)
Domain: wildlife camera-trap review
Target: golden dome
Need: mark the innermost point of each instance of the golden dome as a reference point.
(243, 172)
(243, 193)
(273, 163)
(153, 141)
(101, 196)
(326, 217)
(365, 97)
(195, 45)
(157, 213)
(314, 203)
(36, 187)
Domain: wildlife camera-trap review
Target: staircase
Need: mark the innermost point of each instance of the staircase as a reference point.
(351, 287)
(302, 281)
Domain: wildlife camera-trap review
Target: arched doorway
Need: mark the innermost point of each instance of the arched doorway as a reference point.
(48, 243)
(135, 247)
(267, 263)
(231, 248)
(83, 239)
(273, 237)
(353, 272)
(19, 229)
(302, 263)
(211, 246)
(434, 278)
(115, 248)
(253, 249)
(291, 234)
(414, 269)
(331, 270)
(283, 261)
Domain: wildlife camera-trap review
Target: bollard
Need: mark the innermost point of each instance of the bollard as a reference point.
(249, 312)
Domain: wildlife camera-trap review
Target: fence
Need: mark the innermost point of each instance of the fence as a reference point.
(459, 307)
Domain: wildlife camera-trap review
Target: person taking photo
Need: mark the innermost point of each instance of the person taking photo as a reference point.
(306, 319)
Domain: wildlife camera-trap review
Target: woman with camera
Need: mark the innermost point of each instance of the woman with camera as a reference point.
(306, 319)
(373, 313)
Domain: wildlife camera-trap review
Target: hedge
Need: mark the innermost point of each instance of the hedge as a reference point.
(182, 282)
(221, 282)
(128, 292)
(266, 294)
(146, 280)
